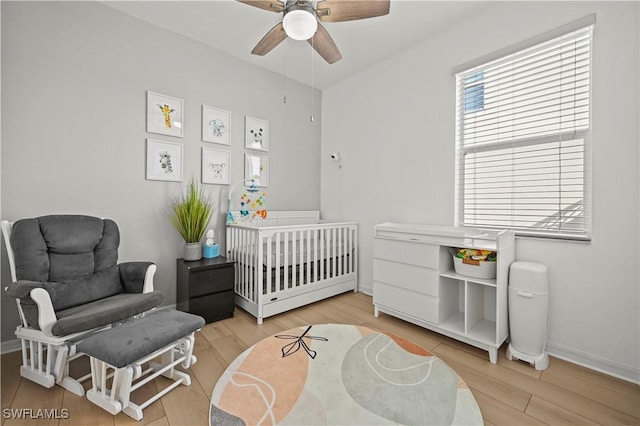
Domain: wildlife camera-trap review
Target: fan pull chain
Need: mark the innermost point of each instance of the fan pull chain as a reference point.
(312, 77)
(284, 88)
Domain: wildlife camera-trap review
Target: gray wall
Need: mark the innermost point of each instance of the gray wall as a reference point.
(395, 127)
(74, 80)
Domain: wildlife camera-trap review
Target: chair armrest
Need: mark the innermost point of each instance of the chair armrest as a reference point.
(30, 292)
(46, 315)
(22, 289)
(137, 277)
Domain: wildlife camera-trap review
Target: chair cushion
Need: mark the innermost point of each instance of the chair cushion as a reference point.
(104, 312)
(66, 294)
(63, 247)
(124, 344)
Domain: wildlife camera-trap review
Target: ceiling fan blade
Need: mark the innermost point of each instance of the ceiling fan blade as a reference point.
(349, 10)
(270, 5)
(324, 45)
(274, 37)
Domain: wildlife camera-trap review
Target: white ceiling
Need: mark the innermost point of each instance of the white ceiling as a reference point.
(235, 28)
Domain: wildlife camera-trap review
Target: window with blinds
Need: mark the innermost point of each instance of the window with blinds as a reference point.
(523, 126)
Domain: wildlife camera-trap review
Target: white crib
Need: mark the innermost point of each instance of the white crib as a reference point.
(291, 259)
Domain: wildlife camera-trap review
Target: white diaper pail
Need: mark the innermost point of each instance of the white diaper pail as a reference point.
(528, 313)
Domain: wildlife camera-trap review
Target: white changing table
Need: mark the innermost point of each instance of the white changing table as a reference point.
(414, 280)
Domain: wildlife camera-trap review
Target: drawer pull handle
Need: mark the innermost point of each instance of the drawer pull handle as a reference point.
(273, 299)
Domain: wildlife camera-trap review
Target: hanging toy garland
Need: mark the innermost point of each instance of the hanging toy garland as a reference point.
(252, 203)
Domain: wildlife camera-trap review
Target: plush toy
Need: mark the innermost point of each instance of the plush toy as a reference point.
(209, 237)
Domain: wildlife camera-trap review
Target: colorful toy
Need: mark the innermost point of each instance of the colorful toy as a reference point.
(251, 204)
(475, 254)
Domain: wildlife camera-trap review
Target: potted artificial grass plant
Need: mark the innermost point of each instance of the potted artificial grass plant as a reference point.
(191, 212)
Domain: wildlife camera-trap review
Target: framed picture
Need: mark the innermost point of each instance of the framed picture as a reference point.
(256, 167)
(256, 134)
(164, 160)
(165, 115)
(215, 166)
(216, 125)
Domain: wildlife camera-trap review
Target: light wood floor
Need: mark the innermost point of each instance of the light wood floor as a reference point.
(509, 393)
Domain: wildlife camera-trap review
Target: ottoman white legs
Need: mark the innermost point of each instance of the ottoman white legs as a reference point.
(117, 397)
(162, 340)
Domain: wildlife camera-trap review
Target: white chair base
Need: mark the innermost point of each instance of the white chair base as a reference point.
(45, 360)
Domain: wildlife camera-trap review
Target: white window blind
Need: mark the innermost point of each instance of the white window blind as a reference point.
(523, 127)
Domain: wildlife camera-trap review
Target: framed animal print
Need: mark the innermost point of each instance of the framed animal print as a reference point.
(256, 134)
(256, 168)
(165, 114)
(164, 160)
(215, 166)
(216, 125)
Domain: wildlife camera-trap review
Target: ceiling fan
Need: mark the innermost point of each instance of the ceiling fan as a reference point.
(300, 22)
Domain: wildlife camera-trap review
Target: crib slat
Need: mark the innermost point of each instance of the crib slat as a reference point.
(277, 263)
(349, 248)
(303, 255)
(316, 267)
(241, 259)
(309, 236)
(340, 250)
(323, 255)
(294, 260)
(248, 261)
(256, 276)
(333, 253)
(269, 243)
(252, 261)
(243, 244)
(285, 275)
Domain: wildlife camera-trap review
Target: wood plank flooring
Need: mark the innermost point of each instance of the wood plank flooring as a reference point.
(509, 392)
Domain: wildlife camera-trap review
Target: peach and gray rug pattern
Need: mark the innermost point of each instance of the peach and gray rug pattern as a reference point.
(335, 374)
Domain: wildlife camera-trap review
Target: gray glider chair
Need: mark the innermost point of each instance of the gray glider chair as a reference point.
(68, 285)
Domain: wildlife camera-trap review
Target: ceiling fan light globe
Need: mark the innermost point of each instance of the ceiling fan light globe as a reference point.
(300, 24)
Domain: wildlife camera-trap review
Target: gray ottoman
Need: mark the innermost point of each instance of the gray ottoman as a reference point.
(164, 334)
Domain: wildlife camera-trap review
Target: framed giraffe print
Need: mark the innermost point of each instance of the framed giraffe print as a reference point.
(164, 160)
(165, 114)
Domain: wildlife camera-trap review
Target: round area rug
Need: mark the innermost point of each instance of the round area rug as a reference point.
(333, 374)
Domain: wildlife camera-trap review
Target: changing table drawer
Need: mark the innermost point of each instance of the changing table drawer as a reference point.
(410, 277)
(403, 251)
(417, 305)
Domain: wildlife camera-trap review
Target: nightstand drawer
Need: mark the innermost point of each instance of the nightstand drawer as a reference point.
(211, 281)
(213, 307)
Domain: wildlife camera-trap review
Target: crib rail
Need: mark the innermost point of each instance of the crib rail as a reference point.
(271, 261)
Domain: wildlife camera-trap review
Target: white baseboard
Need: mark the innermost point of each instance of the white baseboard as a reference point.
(366, 290)
(593, 362)
(583, 359)
(10, 346)
(14, 344)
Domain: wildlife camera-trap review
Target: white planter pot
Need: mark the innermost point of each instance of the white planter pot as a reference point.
(192, 251)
